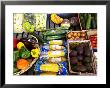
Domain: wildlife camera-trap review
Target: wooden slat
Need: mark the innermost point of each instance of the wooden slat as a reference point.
(47, 22)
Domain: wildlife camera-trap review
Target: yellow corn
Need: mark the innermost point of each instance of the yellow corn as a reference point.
(56, 42)
(49, 67)
(57, 53)
(48, 73)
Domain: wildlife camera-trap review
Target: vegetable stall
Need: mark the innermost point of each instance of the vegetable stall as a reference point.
(54, 44)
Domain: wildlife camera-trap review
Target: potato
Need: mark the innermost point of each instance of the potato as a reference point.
(75, 34)
(69, 35)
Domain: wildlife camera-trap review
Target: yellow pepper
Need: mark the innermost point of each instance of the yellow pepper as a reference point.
(56, 19)
(20, 45)
(35, 53)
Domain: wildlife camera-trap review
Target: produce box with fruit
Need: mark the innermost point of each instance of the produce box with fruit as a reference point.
(77, 35)
(81, 57)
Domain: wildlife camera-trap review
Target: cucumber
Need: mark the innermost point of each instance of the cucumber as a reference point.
(88, 23)
(85, 17)
(82, 20)
(93, 23)
(54, 37)
(55, 32)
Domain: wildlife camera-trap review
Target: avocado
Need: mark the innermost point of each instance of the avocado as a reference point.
(80, 58)
(87, 59)
(73, 60)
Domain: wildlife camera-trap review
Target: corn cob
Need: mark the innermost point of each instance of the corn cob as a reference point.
(57, 53)
(56, 60)
(57, 42)
(48, 73)
(49, 67)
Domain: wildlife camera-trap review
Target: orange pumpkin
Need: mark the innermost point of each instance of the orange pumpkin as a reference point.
(22, 64)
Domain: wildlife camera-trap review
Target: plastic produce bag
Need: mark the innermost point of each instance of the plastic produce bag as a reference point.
(40, 21)
(18, 19)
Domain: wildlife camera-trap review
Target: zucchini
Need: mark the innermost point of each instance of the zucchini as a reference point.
(82, 20)
(55, 32)
(88, 23)
(93, 23)
(54, 37)
(85, 17)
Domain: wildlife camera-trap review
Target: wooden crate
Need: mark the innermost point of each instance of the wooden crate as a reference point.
(94, 62)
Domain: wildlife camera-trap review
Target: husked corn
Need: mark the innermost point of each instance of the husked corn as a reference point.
(49, 67)
(48, 73)
(57, 53)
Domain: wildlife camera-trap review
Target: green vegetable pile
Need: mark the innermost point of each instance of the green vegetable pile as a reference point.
(88, 20)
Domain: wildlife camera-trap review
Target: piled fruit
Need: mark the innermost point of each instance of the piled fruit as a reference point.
(93, 39)
(77, 35)
(80, 56)
(25, 50)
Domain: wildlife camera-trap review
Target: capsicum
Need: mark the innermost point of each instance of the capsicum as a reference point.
(20, 45)
(24, 53)
(35, 53)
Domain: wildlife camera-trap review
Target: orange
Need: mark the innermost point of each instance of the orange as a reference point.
(22, 64)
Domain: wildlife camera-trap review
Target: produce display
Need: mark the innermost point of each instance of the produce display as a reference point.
(80, 56)
(18, 20)
(56, 19)
(28, 22)
(74, 21)
(25, 50)
(65, 23)
(88, 21)
(40, 21)
(93, 39)
(77, 35)
(54, 44)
